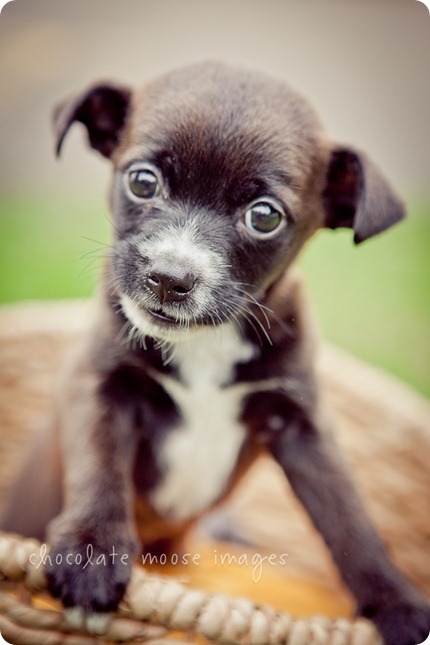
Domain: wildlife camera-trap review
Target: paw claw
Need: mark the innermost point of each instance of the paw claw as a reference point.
(98, 623)
(94, 623)
(75, 616)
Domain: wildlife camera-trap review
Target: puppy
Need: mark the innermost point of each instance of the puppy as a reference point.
(201, 354)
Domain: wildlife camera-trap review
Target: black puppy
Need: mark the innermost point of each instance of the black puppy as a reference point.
(201, 354)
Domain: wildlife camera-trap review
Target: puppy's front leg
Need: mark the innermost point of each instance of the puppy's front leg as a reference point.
(319, 479)
(93, 539)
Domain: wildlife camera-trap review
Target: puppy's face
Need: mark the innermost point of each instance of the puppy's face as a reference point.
(211, 200)
(220, 176)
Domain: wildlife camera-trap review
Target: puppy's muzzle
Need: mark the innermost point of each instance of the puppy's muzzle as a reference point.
(173, 281)
(170, 283)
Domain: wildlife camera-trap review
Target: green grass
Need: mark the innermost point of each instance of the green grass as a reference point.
(372, 299)
(50, 249)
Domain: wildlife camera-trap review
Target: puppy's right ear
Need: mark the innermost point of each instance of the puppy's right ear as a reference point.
(357, 195)
(103, 110)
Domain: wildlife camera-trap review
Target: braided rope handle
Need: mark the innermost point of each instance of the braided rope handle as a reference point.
(155, 606)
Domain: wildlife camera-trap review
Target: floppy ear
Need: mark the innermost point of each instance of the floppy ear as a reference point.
(102, 109)
(358, 196)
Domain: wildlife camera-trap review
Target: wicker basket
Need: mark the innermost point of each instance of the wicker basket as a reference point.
(382, 426)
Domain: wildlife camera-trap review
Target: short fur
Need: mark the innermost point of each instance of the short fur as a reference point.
(201, 354)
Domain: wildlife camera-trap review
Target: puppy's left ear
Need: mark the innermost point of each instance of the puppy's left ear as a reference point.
(357, 195)
(103, 110)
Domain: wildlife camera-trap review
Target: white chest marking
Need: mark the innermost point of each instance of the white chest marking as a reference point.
(198, 457)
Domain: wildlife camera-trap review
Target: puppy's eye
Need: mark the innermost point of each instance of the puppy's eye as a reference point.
(263, 218)
(143, 183)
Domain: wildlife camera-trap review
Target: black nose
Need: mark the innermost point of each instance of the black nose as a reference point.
(170, 283)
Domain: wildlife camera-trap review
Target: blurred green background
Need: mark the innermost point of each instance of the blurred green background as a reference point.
(344, 55)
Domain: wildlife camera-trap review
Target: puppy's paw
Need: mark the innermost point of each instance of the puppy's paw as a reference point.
(401, 623)
(89, 576)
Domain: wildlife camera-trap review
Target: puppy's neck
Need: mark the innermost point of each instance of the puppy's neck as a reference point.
(211, 355)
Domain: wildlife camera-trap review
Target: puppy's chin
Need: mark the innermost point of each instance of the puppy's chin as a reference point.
(156, 326)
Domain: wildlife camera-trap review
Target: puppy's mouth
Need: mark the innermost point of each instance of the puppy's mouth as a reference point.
(161, 316)
(154, 322)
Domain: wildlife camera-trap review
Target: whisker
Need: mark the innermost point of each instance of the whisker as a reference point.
(260, 306)
(264, 308)
(245, 312)
(249, 311)
(99, 242)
